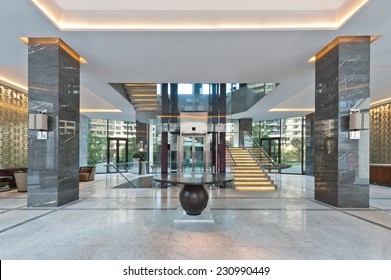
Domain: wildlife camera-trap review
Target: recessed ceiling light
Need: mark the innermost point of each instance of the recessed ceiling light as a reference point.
(177, 19)
(63, 45)
(292, 110)
(100, 110)
(334, 43)
(380, 101)
(11, 83)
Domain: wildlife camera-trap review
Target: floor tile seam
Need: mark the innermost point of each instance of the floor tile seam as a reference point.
(37, 217)
(168, 242)
(355, 216)
(149, 197)
(12, 209)
(28, 209)
(270, 209)
(71, 203)
(26, 221)
(381, 209)
(119, 209)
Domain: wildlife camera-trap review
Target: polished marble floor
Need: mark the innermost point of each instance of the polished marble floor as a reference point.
(109, 223)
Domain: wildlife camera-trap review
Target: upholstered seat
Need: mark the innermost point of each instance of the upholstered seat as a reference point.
(87, 173)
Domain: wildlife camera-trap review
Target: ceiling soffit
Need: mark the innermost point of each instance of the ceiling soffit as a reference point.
(154, 15)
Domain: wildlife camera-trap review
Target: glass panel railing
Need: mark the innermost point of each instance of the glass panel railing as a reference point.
(123, 174)
(245, 140)
(120, 174)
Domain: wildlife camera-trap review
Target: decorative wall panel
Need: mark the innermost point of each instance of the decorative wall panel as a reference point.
(381, 134)
(13, 128)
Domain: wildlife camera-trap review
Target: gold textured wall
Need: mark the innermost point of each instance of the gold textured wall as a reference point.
(381, 134)
(13, 128)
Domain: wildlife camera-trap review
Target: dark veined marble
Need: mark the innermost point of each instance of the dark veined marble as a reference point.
(309, 143)
(54, 86)
(341, 165)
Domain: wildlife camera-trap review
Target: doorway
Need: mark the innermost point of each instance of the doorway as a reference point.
(117, 153)
(272, 146)
(193, 153)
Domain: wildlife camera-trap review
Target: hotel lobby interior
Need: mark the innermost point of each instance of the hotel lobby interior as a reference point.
(212, 130)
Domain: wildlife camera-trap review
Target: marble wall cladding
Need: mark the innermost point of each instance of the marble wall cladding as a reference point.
(222, 120)
(309, 143)
(142, 135)
(13, 128)
(245, 125)
(341, 165)
(380, 118)
(83, 157)
(54, 85)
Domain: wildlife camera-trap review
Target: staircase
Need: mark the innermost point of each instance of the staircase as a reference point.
(248, 175)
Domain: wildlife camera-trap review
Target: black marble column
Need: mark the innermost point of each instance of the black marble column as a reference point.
(309, 143)
(165, 121)
(54, 83)
(222, 103)
(142, 137)
(174, 123)
(341, 165)
(245, 125)
(213, 120)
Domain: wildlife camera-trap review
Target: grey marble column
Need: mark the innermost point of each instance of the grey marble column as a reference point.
(341, 165)
(54, 83)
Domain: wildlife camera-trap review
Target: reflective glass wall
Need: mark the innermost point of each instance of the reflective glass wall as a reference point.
(283, 140)
(110, 142)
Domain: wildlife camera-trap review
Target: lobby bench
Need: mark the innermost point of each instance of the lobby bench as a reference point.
(87, 173)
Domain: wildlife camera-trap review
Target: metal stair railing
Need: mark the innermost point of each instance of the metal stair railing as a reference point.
(258, 148)
(115, 167)
(232, 168)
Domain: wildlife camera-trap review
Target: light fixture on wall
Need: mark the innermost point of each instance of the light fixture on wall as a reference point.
(140, 146)
(357, 121)
(39, 122)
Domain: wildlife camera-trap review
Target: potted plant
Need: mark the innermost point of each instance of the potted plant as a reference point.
(21, 180)
(137, 156)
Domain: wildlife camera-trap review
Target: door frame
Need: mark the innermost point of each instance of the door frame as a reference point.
(109, 139)
(269, 140)
(181, 150)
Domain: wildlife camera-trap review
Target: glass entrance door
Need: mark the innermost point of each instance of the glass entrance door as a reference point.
(117, 153)
(193, 153)
(272, 146)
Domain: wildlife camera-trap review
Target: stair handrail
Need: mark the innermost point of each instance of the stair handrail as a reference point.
(260, 148)
(114, 166)
(229, 151)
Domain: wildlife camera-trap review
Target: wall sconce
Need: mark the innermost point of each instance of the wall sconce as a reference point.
(357, 121)
(39, 122)
(140, 146)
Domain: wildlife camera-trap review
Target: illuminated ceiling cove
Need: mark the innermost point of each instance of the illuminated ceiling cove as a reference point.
(153, 15)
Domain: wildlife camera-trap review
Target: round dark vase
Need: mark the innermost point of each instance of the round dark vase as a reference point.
(194, 199)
